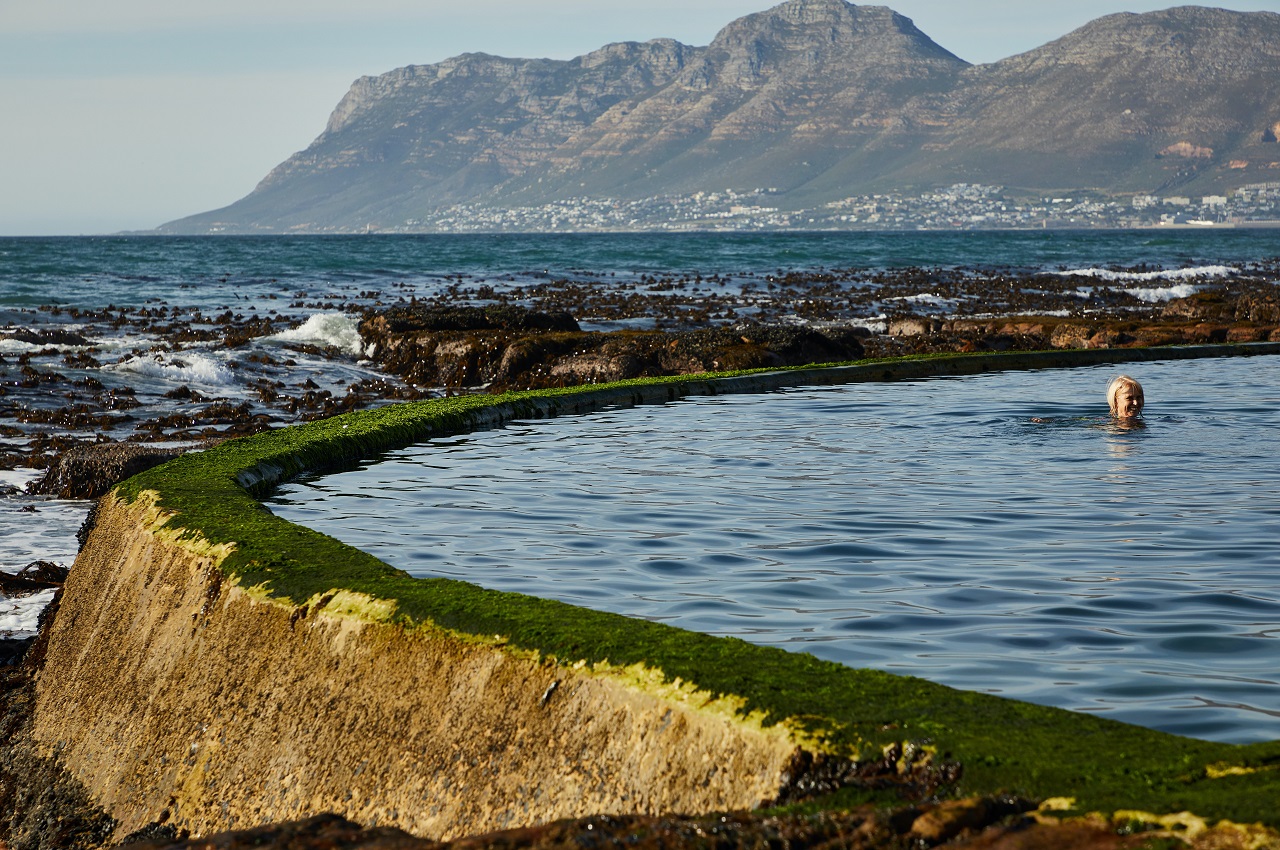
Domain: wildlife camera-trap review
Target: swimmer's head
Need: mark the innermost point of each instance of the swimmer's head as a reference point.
(1124, 397)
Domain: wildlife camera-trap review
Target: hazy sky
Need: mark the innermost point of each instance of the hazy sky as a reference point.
(125, 114)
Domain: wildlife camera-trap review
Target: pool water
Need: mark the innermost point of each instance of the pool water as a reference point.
(928, 528)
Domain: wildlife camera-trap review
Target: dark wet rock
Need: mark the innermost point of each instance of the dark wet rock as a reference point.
(861, 827)
(216, 422)
(1258, 307)
(1249, 303)
(414, 317)
(87, 472)
(185, 393)
(47, 336)
(954, 818)
(245, 331)
(86, 527)
(327, 831)
(224, 413)
(921, 335)
(73, 417)
(81, 360)
(43, 449)
(118, 398)
(514, 348)
(14, 649)
(34, 577)
(909, 772)
(155, 834)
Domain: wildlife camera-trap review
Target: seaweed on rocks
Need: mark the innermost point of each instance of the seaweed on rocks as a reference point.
(86, 472)
(516, 348)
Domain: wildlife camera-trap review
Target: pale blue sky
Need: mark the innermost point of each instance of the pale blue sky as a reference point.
(125, 114)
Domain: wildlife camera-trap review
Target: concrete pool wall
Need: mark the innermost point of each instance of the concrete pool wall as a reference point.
(213, 666)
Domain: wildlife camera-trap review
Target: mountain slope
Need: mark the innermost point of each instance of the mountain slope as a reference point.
(774, 98)
(1126, 103)
(818, 99)
(446, 131)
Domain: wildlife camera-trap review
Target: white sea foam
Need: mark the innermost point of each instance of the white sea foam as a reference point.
(17, 346)
(47, 534)
(334, 328)
(187, 367)
(926, 298)
(19, 477)
(19, 617)
(1192, 273)
(875, 324)
(1163, 293)
(1149, 294)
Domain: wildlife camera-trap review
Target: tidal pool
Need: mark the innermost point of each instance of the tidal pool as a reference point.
(928, 528)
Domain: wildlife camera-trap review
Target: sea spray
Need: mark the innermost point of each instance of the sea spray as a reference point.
(1192, 273)
(184, 368)
(326, 329)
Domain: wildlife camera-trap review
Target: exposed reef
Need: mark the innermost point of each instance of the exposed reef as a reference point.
(507, 346)
(212, 667)
(512, 347)
(474, 334)
(87, 472)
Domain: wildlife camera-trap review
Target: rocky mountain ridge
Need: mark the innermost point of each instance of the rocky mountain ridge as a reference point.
(816, 99)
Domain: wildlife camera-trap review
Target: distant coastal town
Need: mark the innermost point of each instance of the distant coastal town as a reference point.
(962, 206)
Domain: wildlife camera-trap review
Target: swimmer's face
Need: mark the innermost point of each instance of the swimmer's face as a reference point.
(1128, 402)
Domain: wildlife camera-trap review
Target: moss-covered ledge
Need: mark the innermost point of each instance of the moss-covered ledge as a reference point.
(205, 559)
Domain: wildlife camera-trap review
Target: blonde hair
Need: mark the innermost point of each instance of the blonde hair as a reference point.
(1114, 387)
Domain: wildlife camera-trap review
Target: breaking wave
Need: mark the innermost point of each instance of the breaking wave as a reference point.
(1193, 273)
(336, 329)
(1149, 294)
(1163, 293)
(189, 368)
(927, 298)
(17, 346)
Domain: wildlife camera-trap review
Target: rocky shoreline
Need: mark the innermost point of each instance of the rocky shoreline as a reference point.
(59, 413)
(483, 341)
(501, 348)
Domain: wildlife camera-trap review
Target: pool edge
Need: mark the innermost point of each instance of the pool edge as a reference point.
(196, 518)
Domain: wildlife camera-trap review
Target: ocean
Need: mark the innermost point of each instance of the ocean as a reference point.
(175, 340)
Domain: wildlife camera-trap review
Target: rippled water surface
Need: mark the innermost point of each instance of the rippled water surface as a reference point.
(928, 528)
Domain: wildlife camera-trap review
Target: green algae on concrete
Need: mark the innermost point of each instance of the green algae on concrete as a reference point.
(1001, 745)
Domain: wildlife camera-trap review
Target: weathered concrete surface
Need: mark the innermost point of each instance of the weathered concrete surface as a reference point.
(177, 697)
(41, 806)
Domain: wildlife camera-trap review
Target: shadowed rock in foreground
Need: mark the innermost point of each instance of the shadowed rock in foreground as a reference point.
(86, 472)
(989, 823)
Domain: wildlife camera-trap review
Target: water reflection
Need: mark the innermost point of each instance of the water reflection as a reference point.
(1122, 439)
(971, 546)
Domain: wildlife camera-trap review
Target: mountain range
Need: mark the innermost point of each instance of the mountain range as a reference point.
(818, 100)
